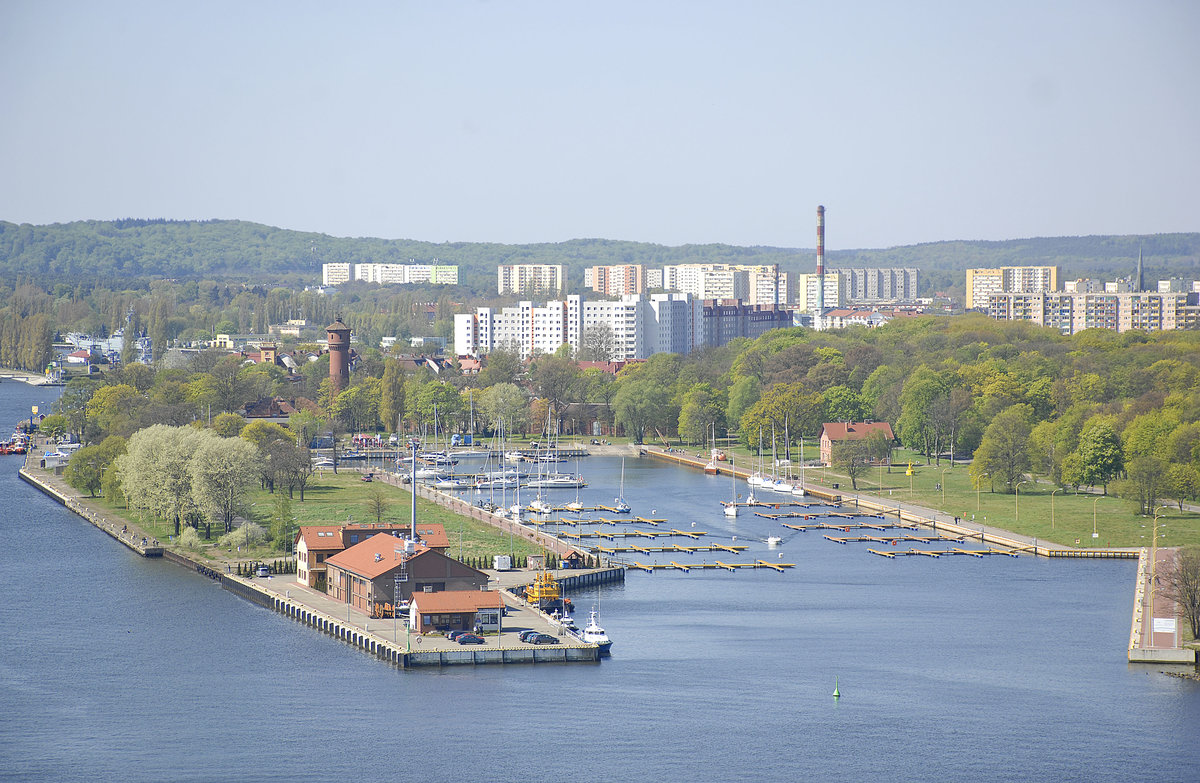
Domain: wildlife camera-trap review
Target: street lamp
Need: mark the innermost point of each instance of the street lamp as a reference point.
(978, 484)
(1153, 562)
(1052, 507)
(944, 486)
(1017, 500)
(1095, 534)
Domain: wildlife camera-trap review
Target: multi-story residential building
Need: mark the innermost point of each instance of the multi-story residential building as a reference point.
(708, 281)
(982, 283)
(806, 290)
(1074, 312)
(723, 320)
(616, 279)
(879, 284)
(389, 274)
(640, 325)
(335, 274)
(530, 278)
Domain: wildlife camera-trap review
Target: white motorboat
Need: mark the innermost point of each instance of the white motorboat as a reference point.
(324, 462)
(540, 506)
(773, 541)
(781, 485)
(594, 634)
(575, 506)
(450, 482)
(758, 480)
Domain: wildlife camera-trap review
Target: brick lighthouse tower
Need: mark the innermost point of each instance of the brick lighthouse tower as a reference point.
(339, 354)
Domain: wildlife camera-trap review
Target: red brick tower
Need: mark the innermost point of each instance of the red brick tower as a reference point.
(339, 354)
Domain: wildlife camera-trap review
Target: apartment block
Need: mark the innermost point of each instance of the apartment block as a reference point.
(616, 280)
(883, 284)
(982, 283)
(530, 278)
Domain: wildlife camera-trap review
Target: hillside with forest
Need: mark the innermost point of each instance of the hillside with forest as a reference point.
(249, 252)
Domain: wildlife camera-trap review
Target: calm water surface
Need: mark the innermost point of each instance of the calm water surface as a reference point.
(115, 668)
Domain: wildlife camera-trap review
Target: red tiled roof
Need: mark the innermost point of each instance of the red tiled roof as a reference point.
(321, 537)
(373, 557)
(448, 601)
(855, 430)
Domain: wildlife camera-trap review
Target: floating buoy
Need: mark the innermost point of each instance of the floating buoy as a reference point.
(836, 693)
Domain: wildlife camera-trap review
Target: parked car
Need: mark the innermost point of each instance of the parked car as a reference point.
(526, 634)
(543, 638)
(469, 638)
(453, 635)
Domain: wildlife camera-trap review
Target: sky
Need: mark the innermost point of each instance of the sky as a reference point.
(669, 122)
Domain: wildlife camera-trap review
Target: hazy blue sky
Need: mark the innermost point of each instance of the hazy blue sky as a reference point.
(670, 122)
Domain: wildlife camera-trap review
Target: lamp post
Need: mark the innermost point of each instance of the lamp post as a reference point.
(1095, 534)
(1017, 500)
(1153, 563)
(1052, 507)
(979, 484)
(944, 485)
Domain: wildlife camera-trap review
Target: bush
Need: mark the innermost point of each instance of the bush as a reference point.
(249, 534)
(189, 538)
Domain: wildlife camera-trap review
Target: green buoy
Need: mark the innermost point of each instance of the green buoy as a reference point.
(836, 693)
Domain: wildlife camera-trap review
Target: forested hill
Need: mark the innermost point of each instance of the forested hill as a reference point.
(241, 250)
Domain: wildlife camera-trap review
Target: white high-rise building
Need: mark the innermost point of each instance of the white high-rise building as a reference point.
(530, 278)
(390, 274)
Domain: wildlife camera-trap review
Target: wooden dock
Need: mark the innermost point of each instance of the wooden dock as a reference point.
(731, 567)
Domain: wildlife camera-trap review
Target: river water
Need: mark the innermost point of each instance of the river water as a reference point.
(116, 668)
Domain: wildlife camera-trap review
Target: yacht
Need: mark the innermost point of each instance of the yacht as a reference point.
(558, 481)
(594, 634)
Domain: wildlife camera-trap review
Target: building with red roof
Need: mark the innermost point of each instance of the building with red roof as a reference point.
(368, 573)
(450, 611)
(842, 431)
(314, 544)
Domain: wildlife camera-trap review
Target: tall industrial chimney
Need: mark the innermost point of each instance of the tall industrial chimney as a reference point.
(820, 260)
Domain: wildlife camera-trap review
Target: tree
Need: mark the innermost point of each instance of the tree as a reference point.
(228, 425)
(304, 426)
(222, 469)
(1004, 453)
(924, 392)
(155, 471)
(1183, 483)
(391, 395)
(504, 402)
(554, 380)
(842, 403)
(597, 344)
(641, 403)
(85, 470)
(703, 410)
(852, 457)
(72, 404)
(1146, 479)
(1181, 584)
(1099, 456)
(500, 366)
(377, 504)
(743, 393)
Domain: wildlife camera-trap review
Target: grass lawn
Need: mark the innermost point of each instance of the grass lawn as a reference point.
(331, 500)
(1042, 511)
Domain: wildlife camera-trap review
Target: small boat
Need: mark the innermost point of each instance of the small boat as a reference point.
(781, 485)
(575, 506)
(453, 483)
(558, 481)
(593, 633)
(621, 507)
(798, 489)
(731, 508)
(540, 506)
(544, 590)
(773, 541)
(758, 480)
(321, 464)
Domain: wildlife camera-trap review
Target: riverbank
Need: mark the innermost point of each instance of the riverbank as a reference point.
(405, 649)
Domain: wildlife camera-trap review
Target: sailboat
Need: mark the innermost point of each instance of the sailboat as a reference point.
(777, 484)
(799, 488)
(619, 501)
(731, 508)
(757, 479)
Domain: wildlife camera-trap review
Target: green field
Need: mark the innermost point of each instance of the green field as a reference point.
(337, 499)
(1041, 511)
